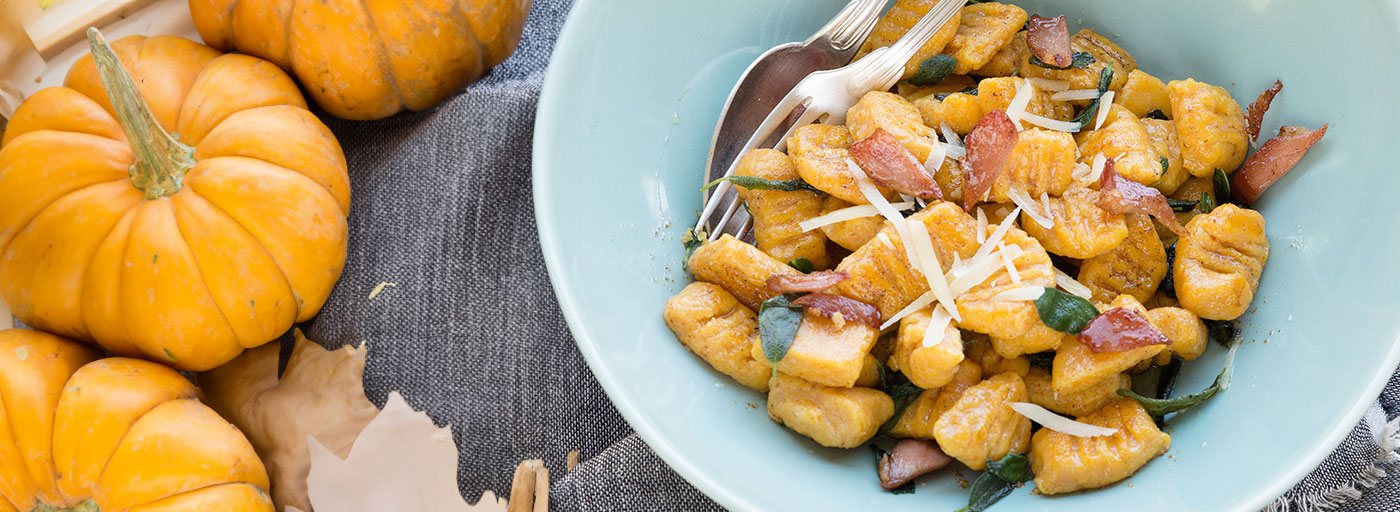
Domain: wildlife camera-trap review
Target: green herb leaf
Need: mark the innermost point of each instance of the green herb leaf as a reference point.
(1162, 407)
(757, 183)
(880, 453)
(944, 95)
(692, 240)
(933, 70)
(1182, 205)
(1223, 332)
(1156, 113)
(901, 391)
(1166, 164)
(1105, 79)
(1043, 360)
(1087, 116)
(1064, 312)
(1166, 383)
(1168, 285)
(1002, 477)
(1207, 203)
(1222, 187)
(778, 321)
(1080, 60)
(802, 265)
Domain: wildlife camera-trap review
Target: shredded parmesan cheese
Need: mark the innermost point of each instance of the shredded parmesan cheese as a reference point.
(1059, 423)
(1053, 124)
(1010, 264)
(1080, 174)
(933, 269)
(849, 213)
(1020, 294)
(949, 135)
(1070, 285)
(975, 272)
(1076, 94)
(1046, 84)
(1104, 103)
(1045, 202)
(1032, 208)
(996, 236)
(1019, 102)
(1096, 170)
(872, 194)
(936, 157)
(981, 225)
(938, 323)
(919, 303)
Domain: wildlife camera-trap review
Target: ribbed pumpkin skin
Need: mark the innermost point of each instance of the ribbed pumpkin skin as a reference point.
(124, 433)
(253, 241)
(369, 59)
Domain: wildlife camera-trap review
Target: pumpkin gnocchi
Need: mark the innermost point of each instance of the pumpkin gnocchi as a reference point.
(961, 321)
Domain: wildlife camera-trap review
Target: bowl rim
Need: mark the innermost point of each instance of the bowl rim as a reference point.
(553, 92)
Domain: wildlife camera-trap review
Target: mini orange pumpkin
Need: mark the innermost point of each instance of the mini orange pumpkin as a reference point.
(84, 434)
(185, 249)
(369, 59)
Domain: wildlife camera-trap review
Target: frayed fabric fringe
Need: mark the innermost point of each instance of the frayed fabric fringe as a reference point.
(1388, 439)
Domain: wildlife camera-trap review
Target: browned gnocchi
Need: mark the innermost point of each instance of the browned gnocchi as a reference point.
(1034, 286)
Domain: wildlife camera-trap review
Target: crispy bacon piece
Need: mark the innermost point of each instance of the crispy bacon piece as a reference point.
(1273, 160)
(851, 310)
(1048, 39)
(887, 162)
(1255, 118)
(989, 146)
(799, 283)
(910, 459)
(1120, 329)
(1121, 195)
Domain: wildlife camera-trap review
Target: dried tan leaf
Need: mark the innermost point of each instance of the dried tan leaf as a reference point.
(402, 461)
(321, 396)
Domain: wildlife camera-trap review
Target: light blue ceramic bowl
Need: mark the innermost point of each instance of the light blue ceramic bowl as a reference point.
(624, 124)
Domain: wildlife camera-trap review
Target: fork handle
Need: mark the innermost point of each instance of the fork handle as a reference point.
(844, 34)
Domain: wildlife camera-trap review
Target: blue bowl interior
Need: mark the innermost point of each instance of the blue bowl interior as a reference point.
(622, 133)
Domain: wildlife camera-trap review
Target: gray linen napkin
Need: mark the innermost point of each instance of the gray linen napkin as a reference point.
(472, 333)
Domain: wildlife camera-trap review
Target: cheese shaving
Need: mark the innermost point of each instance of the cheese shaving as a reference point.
(1076, 94)
(1059, 423)
(1046, 84)
(981, 225)
(848, 213)
(936, 156)
(872, 194)
(1045, 202)
(1080, 174)
(937, 329)
(950, 135)
(1020, 294)
(933, 269)
(1053, 124)
(1032, 208)
(1019, 102)
(920, 303)
(1104, 103)
(975, 272)
(996, 236)
(1096, 169)
(1010, 264)
(1068, 284)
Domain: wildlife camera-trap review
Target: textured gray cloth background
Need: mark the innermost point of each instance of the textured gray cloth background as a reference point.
(472, 334)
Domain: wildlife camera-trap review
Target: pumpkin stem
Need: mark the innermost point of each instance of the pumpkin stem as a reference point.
(159, 161)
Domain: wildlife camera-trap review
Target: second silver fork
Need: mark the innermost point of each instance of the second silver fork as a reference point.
(822, 97)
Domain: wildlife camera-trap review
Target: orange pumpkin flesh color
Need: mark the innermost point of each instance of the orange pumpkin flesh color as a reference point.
(203, 218)
(84, 434)
(369, 59)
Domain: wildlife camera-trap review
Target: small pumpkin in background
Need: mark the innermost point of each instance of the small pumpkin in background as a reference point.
(369, 60)
(184, 247)
(86, 434)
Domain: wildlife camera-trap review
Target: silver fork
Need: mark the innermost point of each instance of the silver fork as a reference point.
(822, 97)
